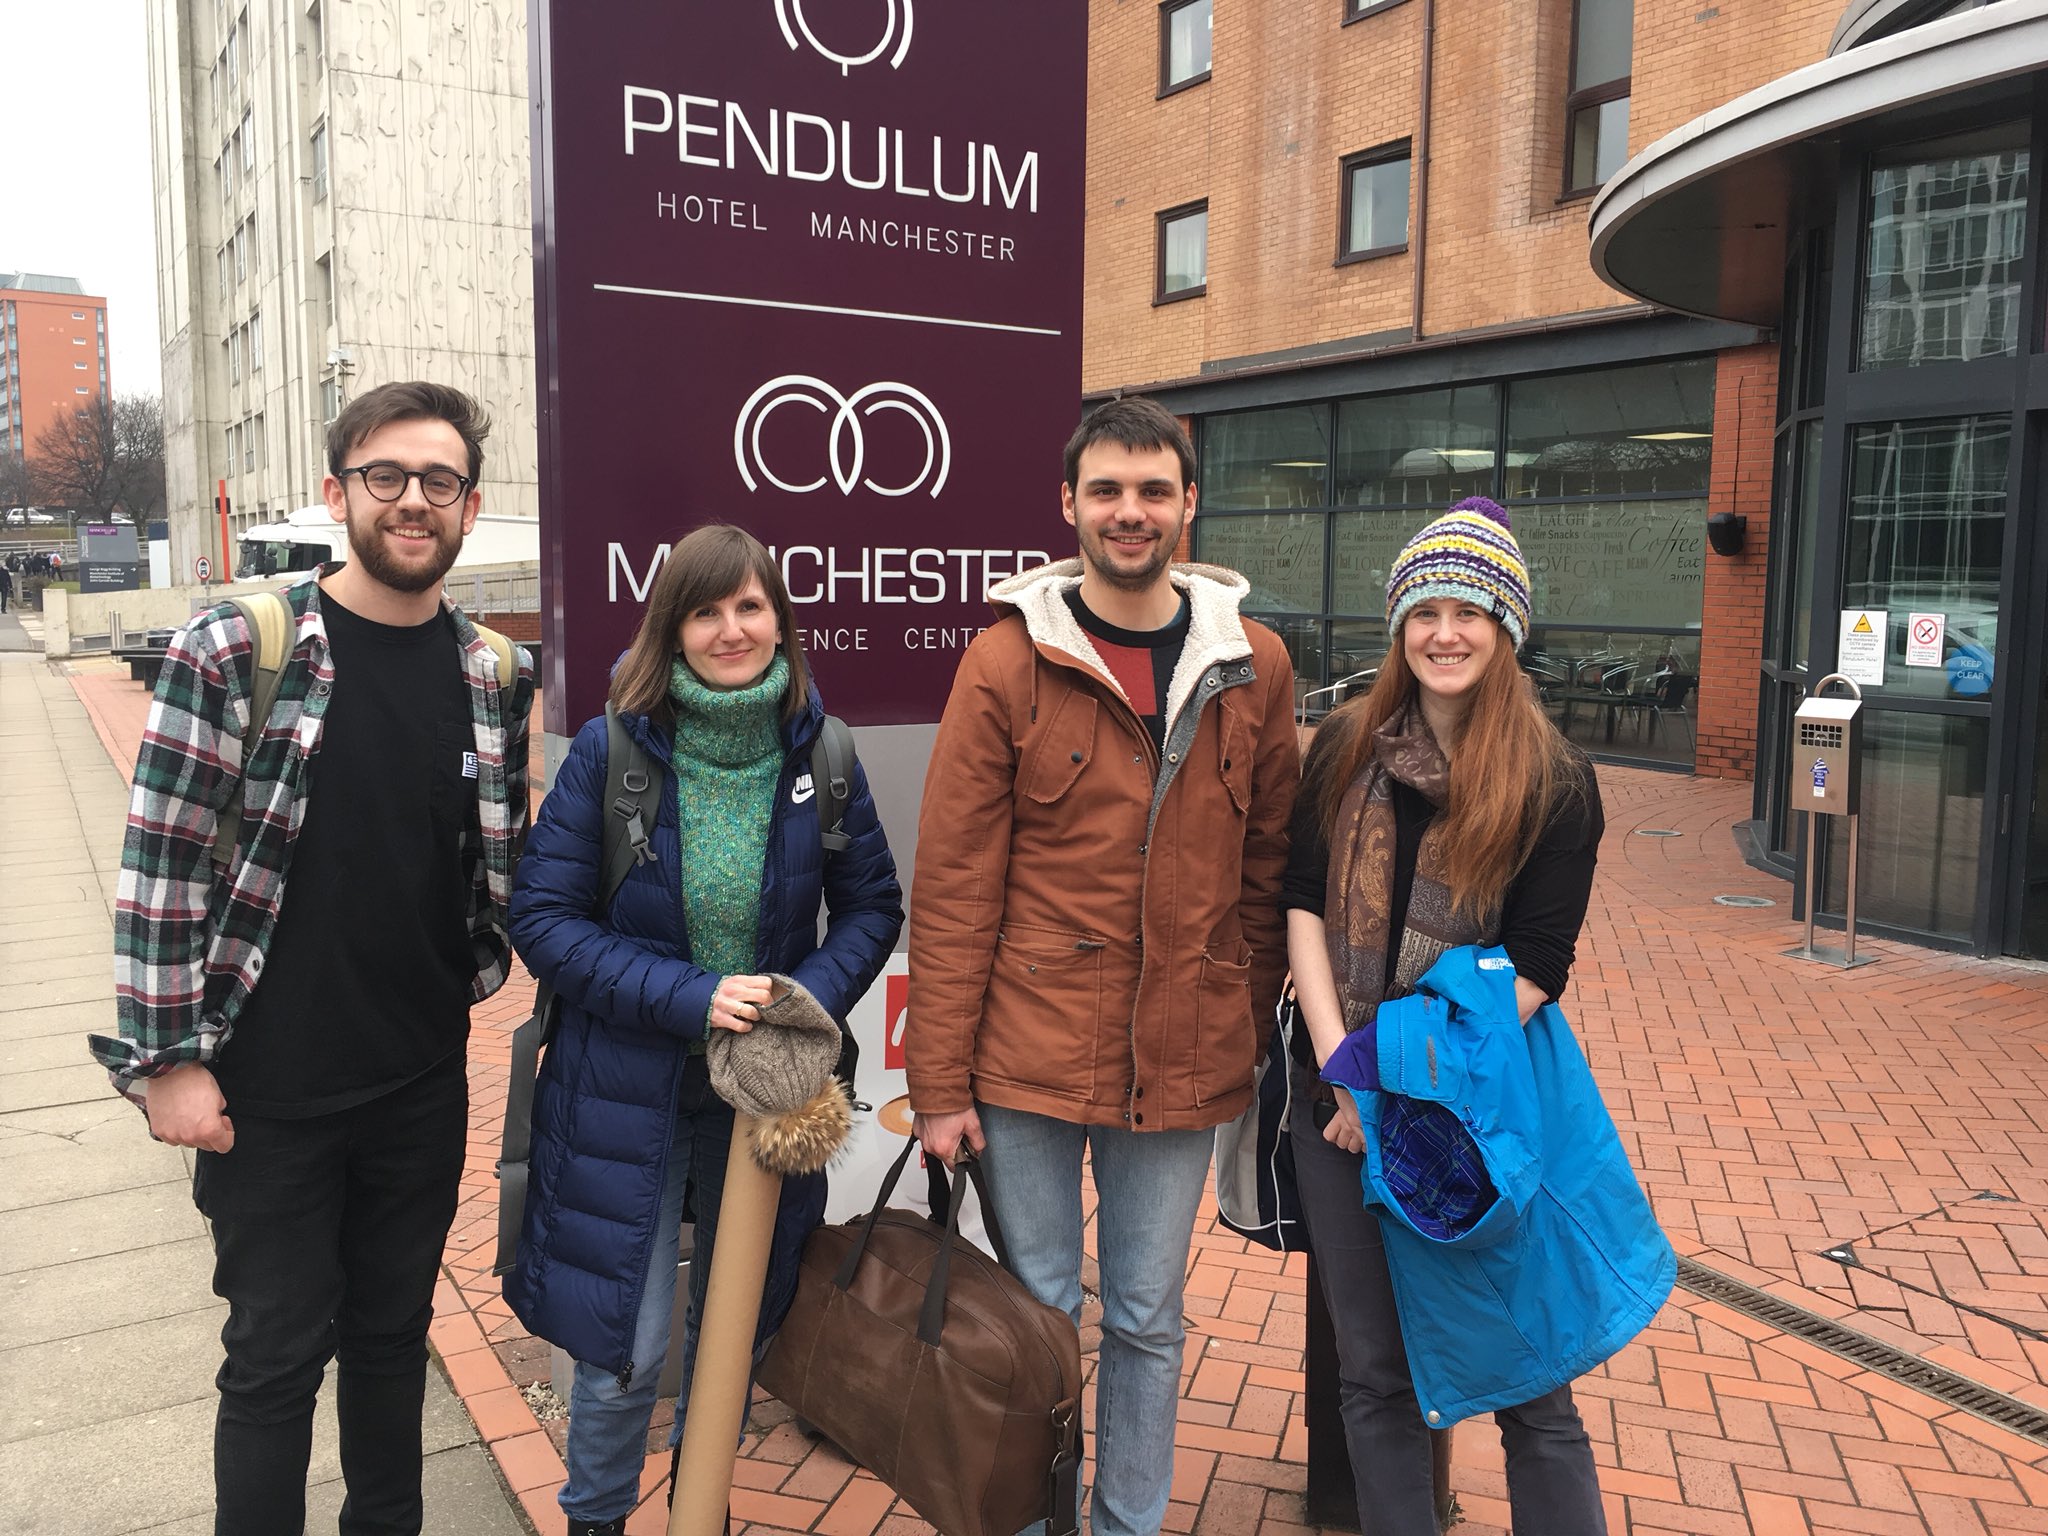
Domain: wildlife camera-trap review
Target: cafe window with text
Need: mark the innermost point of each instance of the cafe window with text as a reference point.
(1183, 43)
(1183, 270)
(1596, 111)
(1374, 216)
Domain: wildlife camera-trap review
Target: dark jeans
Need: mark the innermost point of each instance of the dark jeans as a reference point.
(1552, 1484)
(327, 1237)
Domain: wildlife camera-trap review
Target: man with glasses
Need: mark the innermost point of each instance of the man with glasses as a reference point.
(298, 1011)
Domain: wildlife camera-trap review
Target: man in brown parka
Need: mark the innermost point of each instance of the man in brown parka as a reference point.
(1096, 944)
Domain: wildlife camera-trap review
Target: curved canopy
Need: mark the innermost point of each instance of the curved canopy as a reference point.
(1698, 221)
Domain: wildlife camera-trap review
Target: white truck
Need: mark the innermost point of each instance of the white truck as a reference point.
(311, 536)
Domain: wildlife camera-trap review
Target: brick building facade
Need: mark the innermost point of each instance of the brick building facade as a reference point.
(53, 355)
(1612, 429)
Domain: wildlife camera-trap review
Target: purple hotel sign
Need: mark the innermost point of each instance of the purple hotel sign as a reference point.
(814, 267)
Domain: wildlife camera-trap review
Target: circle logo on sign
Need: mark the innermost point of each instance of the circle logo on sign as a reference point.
(847, 448)
(788, 11)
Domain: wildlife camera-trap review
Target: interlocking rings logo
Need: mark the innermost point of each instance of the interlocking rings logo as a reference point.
(848, 446)
(787, 11)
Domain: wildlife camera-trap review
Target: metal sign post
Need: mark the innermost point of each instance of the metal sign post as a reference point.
(1827, 754)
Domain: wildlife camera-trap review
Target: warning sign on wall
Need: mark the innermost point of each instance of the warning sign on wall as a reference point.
(1861, 655)
(1924, 633)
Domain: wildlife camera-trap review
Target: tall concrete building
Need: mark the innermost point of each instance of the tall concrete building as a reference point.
(341, 201)
(53, 354)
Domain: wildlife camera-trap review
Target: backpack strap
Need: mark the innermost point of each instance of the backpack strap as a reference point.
(832, 760)
(632, 791)
(269, 619)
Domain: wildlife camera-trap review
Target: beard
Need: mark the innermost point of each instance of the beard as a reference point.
(366, 543)
(1129, 578)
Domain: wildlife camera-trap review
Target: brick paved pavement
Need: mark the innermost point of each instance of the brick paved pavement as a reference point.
(1776, 1109)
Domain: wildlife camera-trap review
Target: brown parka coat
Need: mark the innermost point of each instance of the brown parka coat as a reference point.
(1095, 931)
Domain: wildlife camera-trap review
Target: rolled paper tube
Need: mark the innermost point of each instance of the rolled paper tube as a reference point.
(725, 1340)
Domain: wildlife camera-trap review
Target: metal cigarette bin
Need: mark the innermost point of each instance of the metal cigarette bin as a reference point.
(1827, 780)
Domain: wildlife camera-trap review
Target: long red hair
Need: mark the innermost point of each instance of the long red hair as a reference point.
(1509, 766)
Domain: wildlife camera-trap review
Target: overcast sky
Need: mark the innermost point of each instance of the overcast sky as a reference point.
(74, 190)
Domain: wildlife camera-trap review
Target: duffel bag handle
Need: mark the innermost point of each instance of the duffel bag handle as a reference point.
(931, 1316)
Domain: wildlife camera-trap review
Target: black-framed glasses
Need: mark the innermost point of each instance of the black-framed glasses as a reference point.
(386, 482)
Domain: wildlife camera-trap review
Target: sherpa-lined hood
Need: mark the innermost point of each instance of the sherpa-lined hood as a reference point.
(1215, 632)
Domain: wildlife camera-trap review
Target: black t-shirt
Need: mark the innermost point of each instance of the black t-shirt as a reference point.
(1542, 910)
(367, 979)
(1141, 660)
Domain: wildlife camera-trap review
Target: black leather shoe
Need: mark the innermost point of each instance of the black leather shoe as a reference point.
(609, 1528)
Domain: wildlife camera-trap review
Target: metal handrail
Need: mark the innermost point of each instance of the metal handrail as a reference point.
(1301, 704)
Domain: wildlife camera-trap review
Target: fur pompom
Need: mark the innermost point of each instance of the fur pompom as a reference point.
(805, 1140)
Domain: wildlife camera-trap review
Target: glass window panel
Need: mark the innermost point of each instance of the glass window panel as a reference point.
(1926, 534)
(1634, 431)
(1187, 42)
(1259, 459)
(1620, 562)
(1365, 545)
(1304, 641)
(1281, 556)
(1619, 694)
(1421, 450)
(1942, 260)
(1922, 823)
(1187, 251)
(1356, 645)
(1379, 205)
(1605, 41)
(1599, 142)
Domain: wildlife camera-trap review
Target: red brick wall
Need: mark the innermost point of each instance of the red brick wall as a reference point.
(1732, 617)
(523, 628)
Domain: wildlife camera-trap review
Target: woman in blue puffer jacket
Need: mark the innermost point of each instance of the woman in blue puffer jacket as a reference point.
(714, 689)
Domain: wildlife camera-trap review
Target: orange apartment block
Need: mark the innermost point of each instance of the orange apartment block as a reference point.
(1385, 254)
(53, 354)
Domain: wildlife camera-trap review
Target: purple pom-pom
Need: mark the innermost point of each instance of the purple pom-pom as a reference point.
(1487, 507)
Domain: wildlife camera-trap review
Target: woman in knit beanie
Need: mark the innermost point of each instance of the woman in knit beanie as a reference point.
(1440, 809)
(628, 1131)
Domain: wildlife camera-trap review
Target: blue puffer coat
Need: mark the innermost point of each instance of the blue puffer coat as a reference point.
(604, 1107)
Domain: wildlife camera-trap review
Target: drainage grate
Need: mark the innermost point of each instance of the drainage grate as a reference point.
(1744, 901)
(2008, 1413)
(1657, 832)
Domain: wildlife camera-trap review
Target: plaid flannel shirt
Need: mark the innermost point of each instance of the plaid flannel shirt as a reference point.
(188, 944)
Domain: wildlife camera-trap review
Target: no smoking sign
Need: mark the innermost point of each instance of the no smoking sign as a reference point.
(1924, 632)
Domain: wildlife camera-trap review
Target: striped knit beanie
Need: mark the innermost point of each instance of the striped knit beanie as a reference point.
(1470, 555)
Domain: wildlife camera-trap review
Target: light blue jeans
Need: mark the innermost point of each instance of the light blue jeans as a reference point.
(607, 1426)
(1148, 1186)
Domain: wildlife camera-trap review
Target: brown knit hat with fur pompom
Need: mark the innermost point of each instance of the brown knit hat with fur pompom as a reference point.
(779, 1073)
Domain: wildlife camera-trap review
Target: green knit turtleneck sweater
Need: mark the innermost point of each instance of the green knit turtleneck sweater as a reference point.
(728, 759)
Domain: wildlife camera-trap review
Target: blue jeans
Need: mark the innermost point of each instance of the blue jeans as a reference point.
(607, 1426)
(1148, 1186)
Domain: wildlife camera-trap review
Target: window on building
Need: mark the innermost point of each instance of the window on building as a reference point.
(252, 442)
(241, 243)
(1183, 43)
(81, 390)
(1374, 219)
(248, 138)
(78, 341)
(1596, 111)
(234, 447)
(235, 356)
(330, 399)
(319, 161)
(1183, 270)
(256, 343)
(232, 57)
(1355, 9)
(316, 40)
(81, 364)
(1943, 257)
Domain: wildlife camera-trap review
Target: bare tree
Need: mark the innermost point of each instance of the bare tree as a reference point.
(107, 454)
(17, 481)
(77, 462)
(139, 443)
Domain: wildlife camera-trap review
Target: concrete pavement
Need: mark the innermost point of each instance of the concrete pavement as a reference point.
(109, 1336)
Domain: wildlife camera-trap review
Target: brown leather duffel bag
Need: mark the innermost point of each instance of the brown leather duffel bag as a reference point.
(928, 1363)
